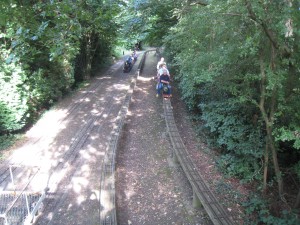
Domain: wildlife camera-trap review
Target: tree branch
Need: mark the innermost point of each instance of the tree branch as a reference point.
(284, 49)
(201, 2)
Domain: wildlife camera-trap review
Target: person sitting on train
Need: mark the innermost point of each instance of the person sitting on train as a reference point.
(161, 70)
(129, 60)
(164, 80)
(134, 55)
(161, 63)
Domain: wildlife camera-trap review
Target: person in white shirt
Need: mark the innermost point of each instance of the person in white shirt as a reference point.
(161, 63)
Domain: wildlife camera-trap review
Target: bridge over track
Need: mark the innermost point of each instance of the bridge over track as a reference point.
(201, 192)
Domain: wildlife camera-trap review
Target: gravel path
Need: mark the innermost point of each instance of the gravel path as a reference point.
(150, 189)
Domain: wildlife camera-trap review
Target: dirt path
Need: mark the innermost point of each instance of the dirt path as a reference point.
(150, 189)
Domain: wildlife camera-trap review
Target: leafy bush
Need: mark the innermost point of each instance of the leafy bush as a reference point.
(24, 93)
(39, 43)
(257, 212)
(7, 140)
(47, 86)
(242, 143)
(13, 99)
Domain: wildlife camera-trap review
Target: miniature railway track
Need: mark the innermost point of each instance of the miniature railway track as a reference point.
(201, 191)
(94, 122)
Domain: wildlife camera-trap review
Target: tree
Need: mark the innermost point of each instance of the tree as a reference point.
(46, 48)
(148, 20)
(241, 56)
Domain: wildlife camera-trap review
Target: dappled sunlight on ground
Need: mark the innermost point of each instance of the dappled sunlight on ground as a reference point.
(68, 145)
(121, 86)
(145, 78)
(78, 183)
(52, 121)
(129, 192)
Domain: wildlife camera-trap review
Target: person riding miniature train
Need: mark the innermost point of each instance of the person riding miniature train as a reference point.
(134, 55)
(128, 64)
(164, 84)
(161, 63)
(161, 70)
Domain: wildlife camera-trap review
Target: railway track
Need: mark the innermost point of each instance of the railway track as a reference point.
(68, 162)
(202, 194)
(93, 107)
(201, 191)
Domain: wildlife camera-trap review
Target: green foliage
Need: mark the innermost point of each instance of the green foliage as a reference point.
(289, 134)
(45, 89)
(13, 98)
(148, 20)
(228, 191)
(238, 67)
(288, 128)
(229, 126)
(257, 212)
(42, 45)
(8, 140)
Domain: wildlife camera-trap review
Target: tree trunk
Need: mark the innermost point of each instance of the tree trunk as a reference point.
(266, 162)
(297, 204)
(275, 162)
(87, 74)
(268, 117)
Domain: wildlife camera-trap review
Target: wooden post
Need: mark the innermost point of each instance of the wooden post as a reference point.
(196, 200)
(175, 158)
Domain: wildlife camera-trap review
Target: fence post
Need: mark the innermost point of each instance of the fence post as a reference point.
(196, 200)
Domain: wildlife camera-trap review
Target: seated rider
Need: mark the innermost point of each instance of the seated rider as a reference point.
(134, 55)
(161, 70)
(164, 79)
(129, 60)
(160, 66)
(161, 63)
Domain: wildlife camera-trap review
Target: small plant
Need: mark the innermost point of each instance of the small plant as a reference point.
(7, 140)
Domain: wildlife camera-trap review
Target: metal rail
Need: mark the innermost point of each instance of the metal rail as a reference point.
(201, 191)
(20, 207)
